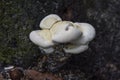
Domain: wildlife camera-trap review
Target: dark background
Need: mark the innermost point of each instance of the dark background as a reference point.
(19, 17)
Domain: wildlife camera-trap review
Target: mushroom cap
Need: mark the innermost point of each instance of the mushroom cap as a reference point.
(88, 33)
(76, 49)
(81, 44)
(41, 38)
(48, 21)
(64, 31)
(47, 50)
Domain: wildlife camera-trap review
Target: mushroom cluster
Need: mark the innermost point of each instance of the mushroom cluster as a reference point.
(76, 36)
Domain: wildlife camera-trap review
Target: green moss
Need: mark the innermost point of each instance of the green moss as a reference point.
(15, 26)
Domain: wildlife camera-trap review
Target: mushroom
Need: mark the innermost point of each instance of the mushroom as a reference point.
(47, 50)
(42, 38)
(88, 32)
(76, 49)
(49, 20)
(64, 32)
(81, 44)
(55, 31)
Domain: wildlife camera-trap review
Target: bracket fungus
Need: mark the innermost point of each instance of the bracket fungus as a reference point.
(75, 36)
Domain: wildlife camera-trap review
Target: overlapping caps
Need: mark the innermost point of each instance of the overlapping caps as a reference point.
(76, 36)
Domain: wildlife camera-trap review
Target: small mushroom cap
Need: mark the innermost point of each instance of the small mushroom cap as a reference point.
(64, 31)
(76, 49)
(41, 38)
(48, 21)
(47, 50)
(88, 33)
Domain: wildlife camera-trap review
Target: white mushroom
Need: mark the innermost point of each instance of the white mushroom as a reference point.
(64, 32)
(54, 30)
(41, 38)
(76, 49)
(47, 50)
(81, 44)
(88, 33)
(49, 20)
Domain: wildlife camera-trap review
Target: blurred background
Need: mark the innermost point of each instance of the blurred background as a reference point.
(19, 17)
